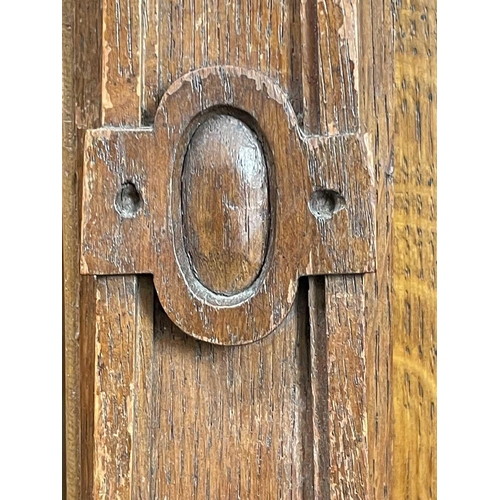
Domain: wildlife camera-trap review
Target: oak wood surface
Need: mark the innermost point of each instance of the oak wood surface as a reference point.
(414, 272)
(225, 172)
(71, 274)
(376, 77)
(306, 412)
(133, 213)
(338, 377)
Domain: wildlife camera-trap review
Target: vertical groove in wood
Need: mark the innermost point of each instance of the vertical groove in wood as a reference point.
(143, 382)
(316, 296)
(414, 277)
(149, 59)
(295, 89)
(87, 380)
(310, 67)
(320, 388)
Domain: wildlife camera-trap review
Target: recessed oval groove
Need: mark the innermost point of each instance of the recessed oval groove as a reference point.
(225, 205)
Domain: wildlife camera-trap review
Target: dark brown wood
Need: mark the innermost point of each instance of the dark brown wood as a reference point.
(320, 189)
(225, 172)
(231, 422)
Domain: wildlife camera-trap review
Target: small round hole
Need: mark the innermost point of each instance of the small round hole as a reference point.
(128, 201)
(325, 202)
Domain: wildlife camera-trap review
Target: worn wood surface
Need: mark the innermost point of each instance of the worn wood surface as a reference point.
(320, 187)
(225, 172)
(376, 77)
(116, 388)
(71, 273)
(231, 422)
(306, 412)
(414, 273)
(337, 304)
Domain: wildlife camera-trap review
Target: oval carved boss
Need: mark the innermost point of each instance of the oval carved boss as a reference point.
(225, 205)
(174, 170)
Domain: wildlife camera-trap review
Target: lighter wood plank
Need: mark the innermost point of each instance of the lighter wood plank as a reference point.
(143, 389)
(346, 370)
(414, 278)
(115, 339)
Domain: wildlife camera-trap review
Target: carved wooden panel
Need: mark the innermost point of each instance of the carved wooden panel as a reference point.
(235, 161)
(279, 417)
(135, 203)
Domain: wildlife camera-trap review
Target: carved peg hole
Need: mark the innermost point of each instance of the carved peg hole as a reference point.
(324, 203)
(128, 201)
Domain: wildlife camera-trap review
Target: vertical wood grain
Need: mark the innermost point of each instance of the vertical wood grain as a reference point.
(414, 278)
(230, 422)
(71, 277)
(124, 305)
(87, 384)
(143, 388)
(123, 336)
(262, 416)
(149, 59)
(337, 304)
(116, 348)
(376, 76)
(257, 35)
(119, 326)
(320, 390)
(87, 94)
(82, 28)
(346, 371)
(121, 62)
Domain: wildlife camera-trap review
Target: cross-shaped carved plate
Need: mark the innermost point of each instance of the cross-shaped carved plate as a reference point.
(291, 204)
